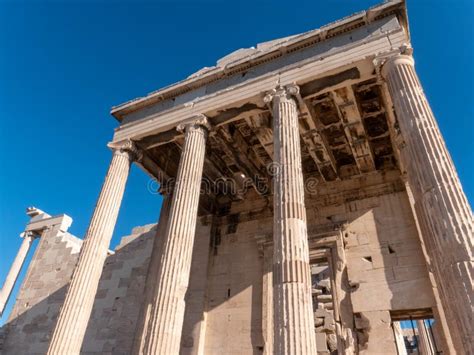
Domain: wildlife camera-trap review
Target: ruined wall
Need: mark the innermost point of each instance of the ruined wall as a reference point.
(41, 294)
(120, 294)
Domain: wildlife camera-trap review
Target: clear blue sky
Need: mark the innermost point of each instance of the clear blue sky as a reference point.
(64, 64)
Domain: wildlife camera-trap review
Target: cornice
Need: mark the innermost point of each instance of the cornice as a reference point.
(294, 43)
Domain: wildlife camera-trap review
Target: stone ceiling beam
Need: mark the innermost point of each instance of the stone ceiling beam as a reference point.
(222, 118)
(152, 168)
(260, 127)
(158, 139)
(351, 120)
(316, 142)
(238, 159)
(240, 144)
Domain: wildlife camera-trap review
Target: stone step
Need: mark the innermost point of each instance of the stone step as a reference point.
(322, 313)
(324, 298)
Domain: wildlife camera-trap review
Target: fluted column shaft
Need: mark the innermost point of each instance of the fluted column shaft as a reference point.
(399, 341)
(163, 332)
(12, 276)
(440, 202)
(151, 282)
(292, 307)
(425, 340)
(75, 312)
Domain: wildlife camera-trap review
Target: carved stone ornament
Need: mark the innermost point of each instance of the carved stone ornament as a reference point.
(196, 121)
(282, 93)
(126, 147)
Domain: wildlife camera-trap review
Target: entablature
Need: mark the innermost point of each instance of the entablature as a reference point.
(345, 116)
(244, 60)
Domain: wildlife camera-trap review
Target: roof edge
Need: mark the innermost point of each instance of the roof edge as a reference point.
(287, 44)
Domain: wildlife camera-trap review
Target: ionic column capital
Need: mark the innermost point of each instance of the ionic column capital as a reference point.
(282, 93)
(126, 147)
(394, 61)
(28, 234)
(197, 121)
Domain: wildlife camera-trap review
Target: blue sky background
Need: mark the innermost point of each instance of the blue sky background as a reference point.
(64, 64)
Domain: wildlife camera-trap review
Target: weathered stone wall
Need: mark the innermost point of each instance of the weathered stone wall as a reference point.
(111, 328)
(121, 293)
(43, 291)
(116, 306)
(234, 308)
(386, 269)
(119, 296)
(194, 327)
(384, 263)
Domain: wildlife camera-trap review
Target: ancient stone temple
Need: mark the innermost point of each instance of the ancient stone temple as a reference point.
(310, 205)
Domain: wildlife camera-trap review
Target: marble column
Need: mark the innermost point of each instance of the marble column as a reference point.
(292, 307)
(163, 331)
(399, 340)
(425, 340)
(444, 340)
(74, 315)
(151, 282)
(12, 276)
(439, 199)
